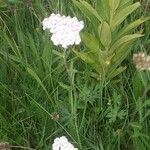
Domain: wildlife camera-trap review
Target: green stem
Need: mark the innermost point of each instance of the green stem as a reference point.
(73, 98)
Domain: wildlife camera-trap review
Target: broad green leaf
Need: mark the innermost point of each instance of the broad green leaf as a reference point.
(120, 54)
(119, 17)
(102, 7)
(84, 56)
(130, 27)
(90, 41)
(134, 24)
(125, 2)
(105, 34)
(124, 40)
(91, 9)
(114, 4)
(90, 58)
(89, 12)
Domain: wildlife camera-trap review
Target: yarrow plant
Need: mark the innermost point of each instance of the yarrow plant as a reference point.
(62, 143)
(65, 30)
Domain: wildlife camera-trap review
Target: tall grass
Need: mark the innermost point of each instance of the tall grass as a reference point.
(34, 85)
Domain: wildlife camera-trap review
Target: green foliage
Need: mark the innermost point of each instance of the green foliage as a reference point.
(121, 15)
(105, 34)
(34, 84)
(115, 111)
(106, 51)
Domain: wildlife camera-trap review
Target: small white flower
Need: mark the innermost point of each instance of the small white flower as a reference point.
(62, 143)
(65, 30)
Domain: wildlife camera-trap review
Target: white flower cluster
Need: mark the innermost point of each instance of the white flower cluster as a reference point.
(65, 30)
(62, 143)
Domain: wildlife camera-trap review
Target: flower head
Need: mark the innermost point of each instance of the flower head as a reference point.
(142, 61)
(4, 146)
(62, 143)
(55, 116)
(65, 30)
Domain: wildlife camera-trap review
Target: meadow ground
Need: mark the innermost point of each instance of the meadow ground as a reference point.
(40, 100)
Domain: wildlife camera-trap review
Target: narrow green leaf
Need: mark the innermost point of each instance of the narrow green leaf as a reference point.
(35, 76)
(3, 3)
(138, 87)
(33, 46)
(12, 57)
(90, 41)
(58, 53)
(147, 114)
(64, 86)
(146, 103)
(116, 72)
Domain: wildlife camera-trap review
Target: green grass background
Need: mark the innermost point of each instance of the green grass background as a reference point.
(34, 84)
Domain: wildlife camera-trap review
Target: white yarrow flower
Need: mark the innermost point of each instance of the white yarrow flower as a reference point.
(65, 30)
(62, 143)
